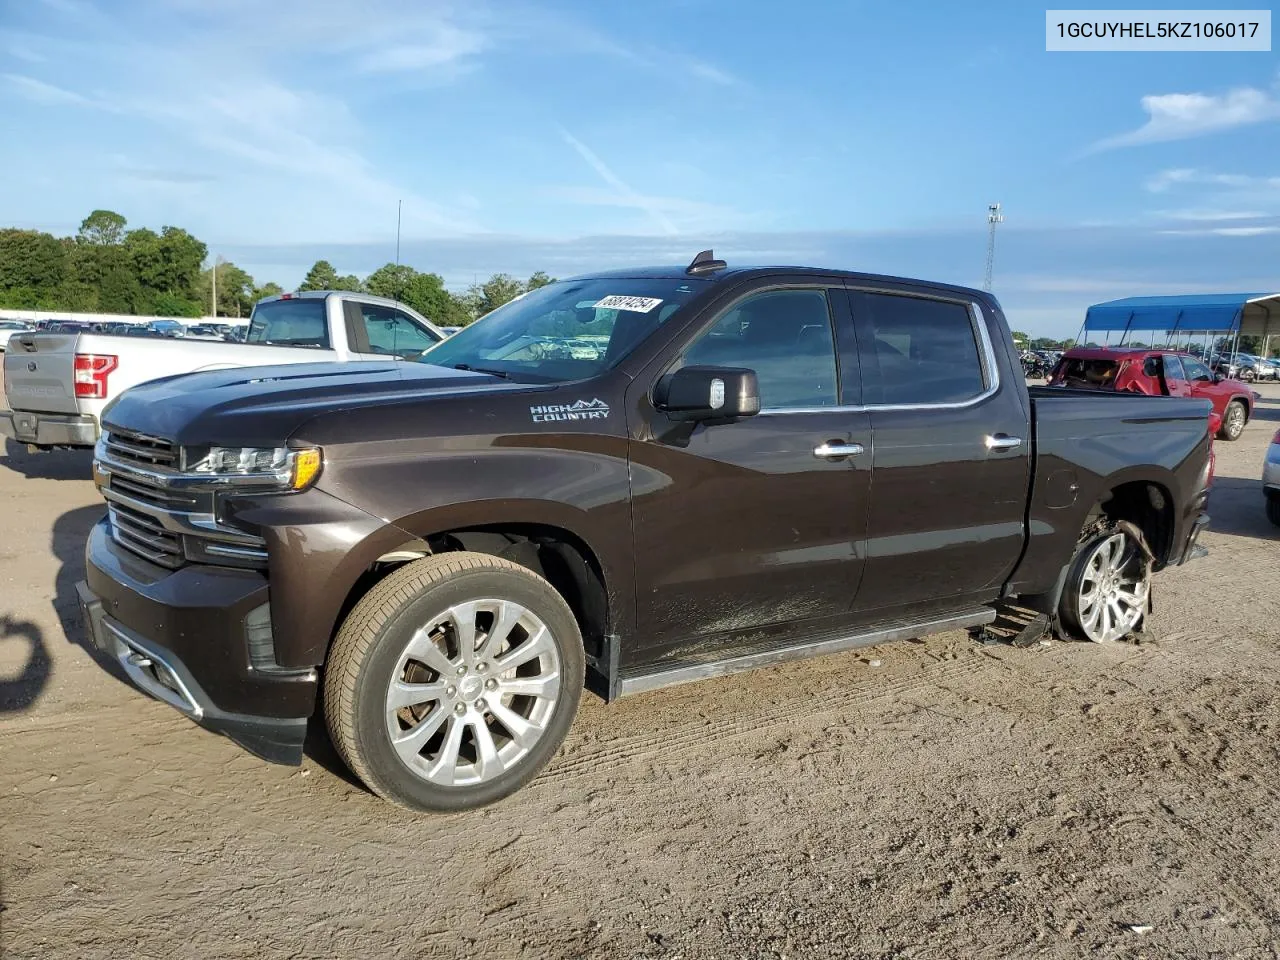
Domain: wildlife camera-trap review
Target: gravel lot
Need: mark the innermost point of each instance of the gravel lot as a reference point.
(926, 799)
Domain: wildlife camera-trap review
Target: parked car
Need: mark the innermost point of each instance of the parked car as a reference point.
(1157, 373)
(204, 332)
(58, 386)
(1271, 480)
(452, 548)
(1247, 367)
(8, 328)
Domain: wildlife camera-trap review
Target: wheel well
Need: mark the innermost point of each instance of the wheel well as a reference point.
(556, 555)
(1150, 508)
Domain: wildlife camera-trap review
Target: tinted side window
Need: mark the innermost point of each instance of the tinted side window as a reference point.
(1173, 368)
(392, 333)
(915, 350)
(785, 337)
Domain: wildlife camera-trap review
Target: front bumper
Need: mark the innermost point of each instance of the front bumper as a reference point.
(49, 429)
(181, 636)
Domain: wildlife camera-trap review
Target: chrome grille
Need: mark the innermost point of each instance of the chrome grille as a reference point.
(165, 498)
(145, 536)
(150, 452)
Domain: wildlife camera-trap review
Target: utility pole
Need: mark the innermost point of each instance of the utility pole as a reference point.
(994, 216)
(213, 285)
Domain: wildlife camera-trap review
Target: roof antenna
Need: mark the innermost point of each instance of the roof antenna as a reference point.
(705, 262)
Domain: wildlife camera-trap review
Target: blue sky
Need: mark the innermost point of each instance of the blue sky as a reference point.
(571, 135)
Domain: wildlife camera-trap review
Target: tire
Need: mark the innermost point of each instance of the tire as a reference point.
(1107, 590)
(407, 637)
(1273, 510)
(1233, 420)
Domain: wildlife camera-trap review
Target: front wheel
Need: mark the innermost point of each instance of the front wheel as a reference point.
(1108, 588)
(453, 681)
(1233, 421)
(1273, 510)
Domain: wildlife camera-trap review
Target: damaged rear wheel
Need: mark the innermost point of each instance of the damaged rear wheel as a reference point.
(1108, 588)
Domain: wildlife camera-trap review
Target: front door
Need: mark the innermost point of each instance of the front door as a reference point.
(952, 457)
(757, 522)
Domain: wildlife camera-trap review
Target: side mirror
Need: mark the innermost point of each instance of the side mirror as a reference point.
(709, 393)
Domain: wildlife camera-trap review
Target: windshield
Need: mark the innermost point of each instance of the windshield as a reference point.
(565, 331)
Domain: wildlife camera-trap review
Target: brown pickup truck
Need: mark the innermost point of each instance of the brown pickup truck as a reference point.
(616, 482)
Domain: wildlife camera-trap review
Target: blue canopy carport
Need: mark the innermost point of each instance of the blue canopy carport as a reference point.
(1224, 314)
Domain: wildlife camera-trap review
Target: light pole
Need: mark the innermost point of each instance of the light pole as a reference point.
(994, 216)
(213, 285)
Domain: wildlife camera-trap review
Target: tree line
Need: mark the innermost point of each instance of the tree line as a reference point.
(108, 268)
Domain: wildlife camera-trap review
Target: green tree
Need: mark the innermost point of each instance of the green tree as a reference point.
(321, 276)
(167, 304)
(348, 281)
(489, 296)
(424, 292)
(538, 279)
(235, 290)
(268, 289)
(102, 228)
(34, 260)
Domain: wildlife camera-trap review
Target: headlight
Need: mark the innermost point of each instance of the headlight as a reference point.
(281, 467)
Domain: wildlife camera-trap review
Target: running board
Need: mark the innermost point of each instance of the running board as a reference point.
(655, 677)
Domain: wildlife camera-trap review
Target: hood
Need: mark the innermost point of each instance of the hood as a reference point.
(264, 406)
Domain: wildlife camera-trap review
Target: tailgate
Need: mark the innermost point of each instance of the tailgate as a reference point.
(39, 370)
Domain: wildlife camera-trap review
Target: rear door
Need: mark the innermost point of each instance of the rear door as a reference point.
(757, 522)
(1175, 376)
(952, 458)
(39, 372)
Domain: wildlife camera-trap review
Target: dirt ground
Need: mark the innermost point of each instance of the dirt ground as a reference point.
(927, 799)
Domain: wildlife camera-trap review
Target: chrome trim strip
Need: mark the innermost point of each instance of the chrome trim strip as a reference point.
(127, 647)
(643, 682)
(182, 522)
(227, 550)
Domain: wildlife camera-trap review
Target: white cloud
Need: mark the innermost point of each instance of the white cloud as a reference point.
(1166, 179)
(707, 71)
(46, 93)
(447, 46)
(1212, 215)
(622, 190)
(1179, 116)
(1222, 232)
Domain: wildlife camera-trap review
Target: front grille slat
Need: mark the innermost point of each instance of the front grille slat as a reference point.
(141, 449)
(153, 496)
(145, 535)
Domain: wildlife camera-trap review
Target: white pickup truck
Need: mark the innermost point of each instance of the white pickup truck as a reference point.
(57, 385)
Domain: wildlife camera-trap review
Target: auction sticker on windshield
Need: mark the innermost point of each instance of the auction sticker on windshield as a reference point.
(617, 302)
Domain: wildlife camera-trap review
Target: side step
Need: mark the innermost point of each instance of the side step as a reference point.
(669, 674)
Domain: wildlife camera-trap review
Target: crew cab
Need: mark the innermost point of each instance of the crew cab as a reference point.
(617, 482)
(1157, 373)
(58, 384)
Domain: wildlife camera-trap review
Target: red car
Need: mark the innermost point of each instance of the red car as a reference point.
(1158, 373)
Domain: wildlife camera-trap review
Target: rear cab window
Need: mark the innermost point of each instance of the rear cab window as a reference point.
(918, 350)
(1087, 372)
(296, 322)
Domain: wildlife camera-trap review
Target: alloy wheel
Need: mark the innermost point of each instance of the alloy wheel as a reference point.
(473, 692)
(1113, 590)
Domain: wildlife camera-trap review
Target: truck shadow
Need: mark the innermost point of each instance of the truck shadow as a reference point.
(1236, 506)
(47, 465)
(18, 691)
(68, 537)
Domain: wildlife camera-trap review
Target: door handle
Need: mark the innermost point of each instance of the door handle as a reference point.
(1002, 441)
(837, 449)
